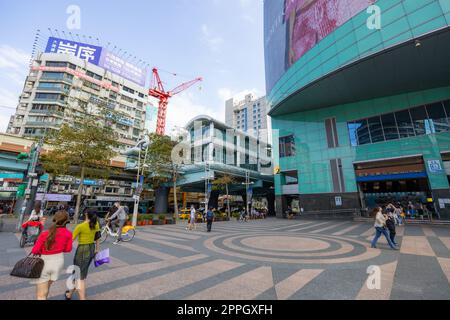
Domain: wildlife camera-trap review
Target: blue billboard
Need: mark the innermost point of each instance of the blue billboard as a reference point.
(81, 50)
(98, 56)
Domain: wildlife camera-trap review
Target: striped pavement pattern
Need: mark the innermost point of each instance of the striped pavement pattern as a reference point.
(180, 265)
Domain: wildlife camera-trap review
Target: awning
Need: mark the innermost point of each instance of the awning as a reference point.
(397, 176)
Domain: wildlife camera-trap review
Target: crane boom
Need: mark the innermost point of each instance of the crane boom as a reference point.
(157, 91)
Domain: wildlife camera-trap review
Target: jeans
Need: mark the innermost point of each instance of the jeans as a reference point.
(379, 232)
(209, 224)
(120, 223)
(392, 237)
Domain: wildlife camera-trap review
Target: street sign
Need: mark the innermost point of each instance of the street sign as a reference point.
(136, 197)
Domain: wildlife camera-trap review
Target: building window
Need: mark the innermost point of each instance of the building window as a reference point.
(337, 175)
(437, 118)
(331, 131)
(421, 120)
(418, 117)
(287, 146)
(290, 177)
(404, 123)
(93, 75)
(390, 128)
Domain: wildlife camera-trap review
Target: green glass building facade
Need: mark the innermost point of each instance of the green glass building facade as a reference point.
(363, 117)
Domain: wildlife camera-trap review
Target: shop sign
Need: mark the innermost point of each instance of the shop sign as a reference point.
(8, 189)
(434, 166)
(338, 201)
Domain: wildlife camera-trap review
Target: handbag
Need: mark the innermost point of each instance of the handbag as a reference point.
(101, 258)
(29, 267)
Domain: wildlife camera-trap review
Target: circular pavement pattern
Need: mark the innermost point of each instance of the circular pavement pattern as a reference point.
(292, 248)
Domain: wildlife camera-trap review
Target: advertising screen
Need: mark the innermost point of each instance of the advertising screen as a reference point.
(292, 27)
(100, 57)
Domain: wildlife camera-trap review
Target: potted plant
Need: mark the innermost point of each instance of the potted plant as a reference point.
(162, 218)
(150, 219)
(156, 220)
(236, 215)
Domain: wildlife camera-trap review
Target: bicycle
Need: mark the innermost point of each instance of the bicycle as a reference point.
(128, 233)
(243, 218)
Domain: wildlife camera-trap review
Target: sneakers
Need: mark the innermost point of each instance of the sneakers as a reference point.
(116, 242)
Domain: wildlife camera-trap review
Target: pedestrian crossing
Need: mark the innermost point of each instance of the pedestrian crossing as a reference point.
(181, 265)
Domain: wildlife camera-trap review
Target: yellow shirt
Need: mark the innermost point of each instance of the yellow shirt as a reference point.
(84, 233)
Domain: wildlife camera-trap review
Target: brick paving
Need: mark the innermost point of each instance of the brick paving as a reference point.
(263, 259)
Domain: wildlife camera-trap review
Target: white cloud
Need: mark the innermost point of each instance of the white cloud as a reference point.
(7, 99)
(12, 58)
(213, 41)
(248, 18)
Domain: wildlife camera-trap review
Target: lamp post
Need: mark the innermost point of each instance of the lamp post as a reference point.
(140, 172)
(247, 183)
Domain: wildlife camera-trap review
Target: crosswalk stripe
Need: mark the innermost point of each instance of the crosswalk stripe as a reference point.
(100, 278)
(308, 227)
(329, 227)
(286, 288)
(153, 287)
(179, 234)
(427, 231)
(445, 266)
(346, 230)
(292, 226)
(246, 286)
(147, 251)
(368, 232)
(387, 273)
(149, 238)
(445, 241)
(417, 245)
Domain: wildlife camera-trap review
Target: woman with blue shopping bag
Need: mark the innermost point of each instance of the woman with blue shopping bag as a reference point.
(88, 246)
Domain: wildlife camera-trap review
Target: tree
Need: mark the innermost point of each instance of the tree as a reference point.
(83, 149)
(162, 167)
(225, 181)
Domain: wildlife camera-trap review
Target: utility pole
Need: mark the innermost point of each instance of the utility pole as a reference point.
(139, 182)
(247, 184)
(32, 183)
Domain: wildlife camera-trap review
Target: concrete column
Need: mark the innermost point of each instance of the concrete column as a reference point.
(162, 200)
(271, 203)
(213, 201)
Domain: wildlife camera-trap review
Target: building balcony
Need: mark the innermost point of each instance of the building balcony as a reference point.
(57, 79)
(56, 90)
(47, 112)
(43, 124)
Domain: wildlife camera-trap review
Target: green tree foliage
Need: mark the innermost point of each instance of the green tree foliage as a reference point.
(83, 149)
(222, 183)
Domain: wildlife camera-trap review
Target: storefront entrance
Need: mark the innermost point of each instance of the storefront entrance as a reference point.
(401, 180)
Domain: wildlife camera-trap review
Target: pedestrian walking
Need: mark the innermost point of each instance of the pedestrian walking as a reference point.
(88, 247)
(192, 218)
(390, 224)
(209, 219)
(380, 229)
(51, 245)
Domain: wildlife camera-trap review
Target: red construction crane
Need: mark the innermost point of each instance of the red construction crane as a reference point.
(157, 91)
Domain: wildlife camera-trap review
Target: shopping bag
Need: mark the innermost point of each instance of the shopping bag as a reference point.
(29, 267)
(101, 258)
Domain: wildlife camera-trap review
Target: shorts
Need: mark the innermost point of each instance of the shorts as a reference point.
(53, 266)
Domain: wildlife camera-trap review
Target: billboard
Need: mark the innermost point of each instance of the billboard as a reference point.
(80, 50)
(99, 56)
(293, 27)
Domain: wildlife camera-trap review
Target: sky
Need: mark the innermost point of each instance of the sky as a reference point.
(219, 40)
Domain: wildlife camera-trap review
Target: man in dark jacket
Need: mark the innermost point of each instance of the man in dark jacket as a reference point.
(209, 219)
(390, 224)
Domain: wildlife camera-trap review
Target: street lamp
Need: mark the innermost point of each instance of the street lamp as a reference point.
(247, 183)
